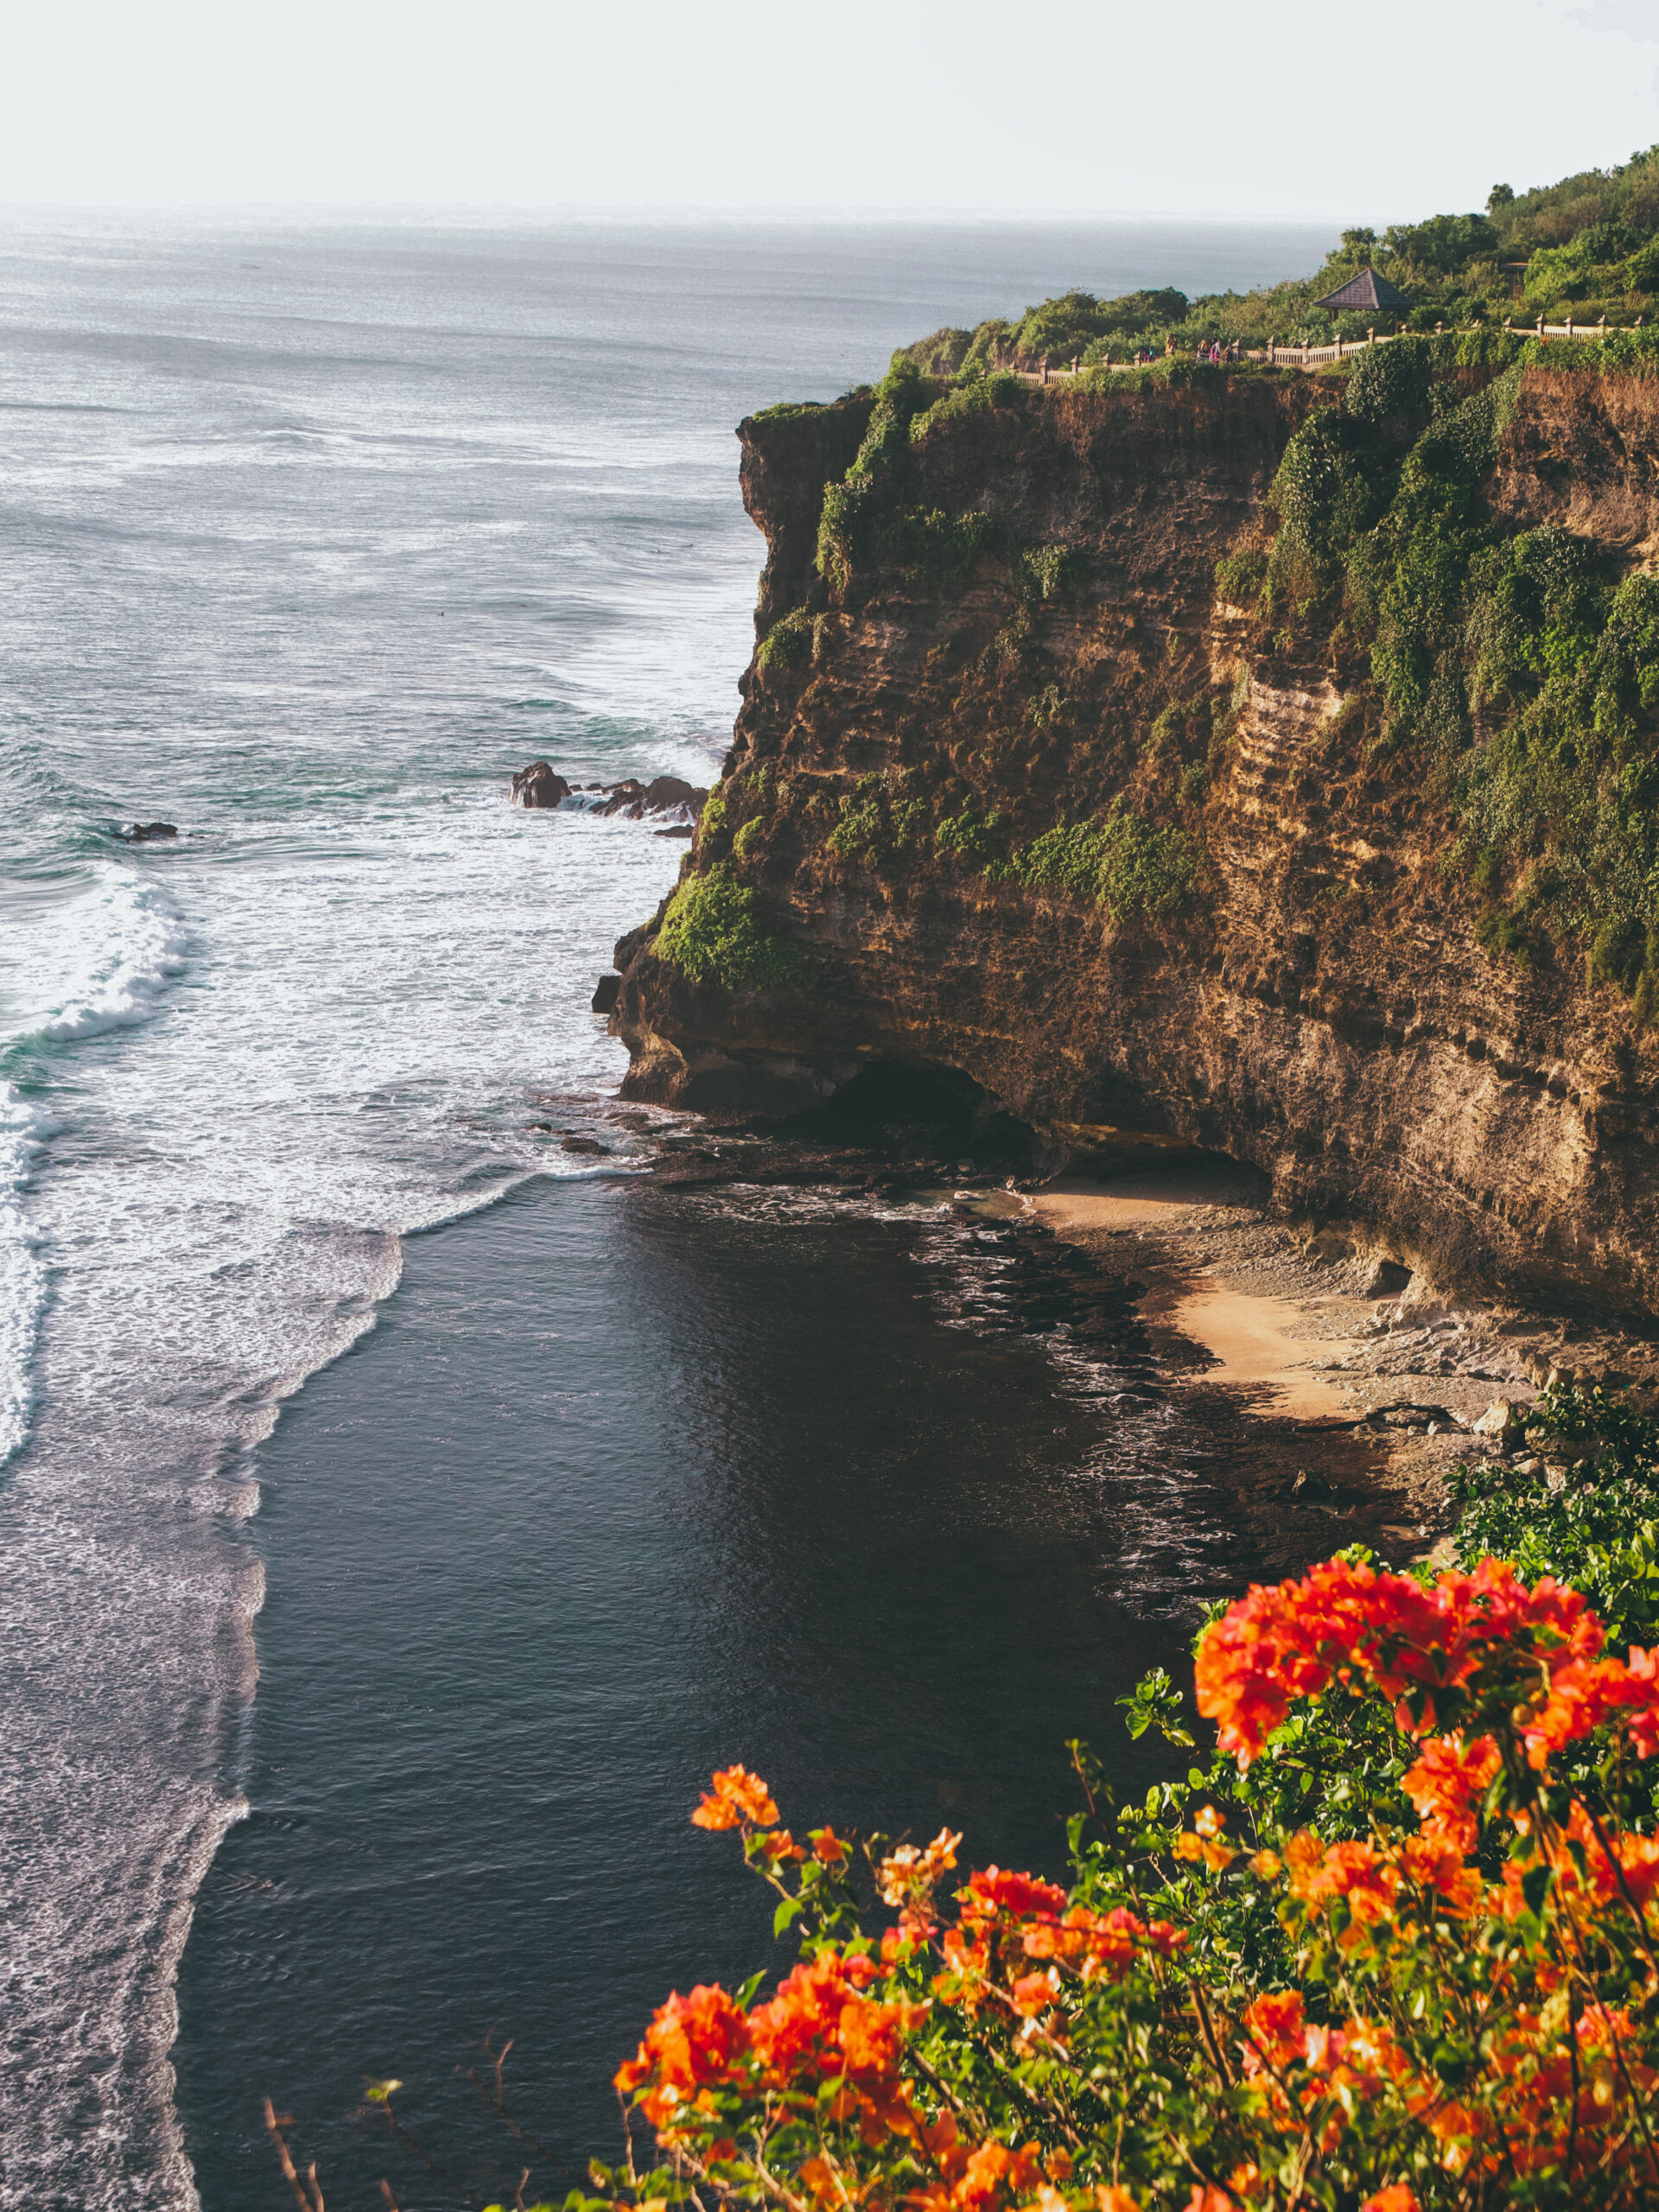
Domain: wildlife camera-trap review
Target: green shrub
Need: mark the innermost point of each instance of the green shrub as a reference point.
(969, 836)
(861, 831)
(1043, 571)
(842, 521)
(975, 396)
(711, 933)
(1240, 577)
(882, 816)
(1145, 868)
(934, 544)
(788, 643)
(787, 410)
(1066, 858)
(1129, 866)
(1330, 485)
(941, 354)
(1599, 1531)
(1390, 381)
(747, 840)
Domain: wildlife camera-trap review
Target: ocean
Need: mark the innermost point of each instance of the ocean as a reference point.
(398, 1514)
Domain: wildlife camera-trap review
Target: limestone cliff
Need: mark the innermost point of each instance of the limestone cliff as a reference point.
(1023, 630)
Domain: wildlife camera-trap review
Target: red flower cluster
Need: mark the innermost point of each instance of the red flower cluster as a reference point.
(1096, 1943)
(1343, 1621)
(693, 2044)
(820, 2024)
(738, 1799)
(1446, 1784)
(994, 1890)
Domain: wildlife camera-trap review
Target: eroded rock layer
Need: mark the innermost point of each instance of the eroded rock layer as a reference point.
(1028, 634)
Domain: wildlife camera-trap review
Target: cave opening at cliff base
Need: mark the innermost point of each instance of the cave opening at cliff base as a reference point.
(919, 1109)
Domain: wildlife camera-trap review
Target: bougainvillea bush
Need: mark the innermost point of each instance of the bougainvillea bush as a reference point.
(1394, 1948)
(1389, 1946)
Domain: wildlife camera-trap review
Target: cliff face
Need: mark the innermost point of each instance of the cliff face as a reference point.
(1028, 633)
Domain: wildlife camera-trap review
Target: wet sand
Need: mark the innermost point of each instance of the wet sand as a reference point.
(1262, 1341)
(1257, 1342)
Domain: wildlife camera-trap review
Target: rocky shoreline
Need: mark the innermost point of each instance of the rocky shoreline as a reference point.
(1345, 1410)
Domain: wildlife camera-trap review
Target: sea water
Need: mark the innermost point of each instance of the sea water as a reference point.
(312, 532)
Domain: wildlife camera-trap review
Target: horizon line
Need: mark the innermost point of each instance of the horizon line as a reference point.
(780, 211)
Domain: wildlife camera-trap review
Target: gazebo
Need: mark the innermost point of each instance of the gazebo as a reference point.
(1368, 289)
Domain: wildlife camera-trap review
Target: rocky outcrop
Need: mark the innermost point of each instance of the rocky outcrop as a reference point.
(540, 784)
(1321, 1006)
(661, 794)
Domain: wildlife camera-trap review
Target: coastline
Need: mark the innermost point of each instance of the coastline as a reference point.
(1290, 1326)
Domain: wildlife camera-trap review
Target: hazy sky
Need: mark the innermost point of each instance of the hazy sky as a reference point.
(1238, 106)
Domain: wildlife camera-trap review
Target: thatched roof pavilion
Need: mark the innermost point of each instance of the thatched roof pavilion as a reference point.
(1368, 289)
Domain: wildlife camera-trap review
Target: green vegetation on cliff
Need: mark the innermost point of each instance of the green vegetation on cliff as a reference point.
(1587, 246)
(1128, 866)
(1517, 666)
(710, 932)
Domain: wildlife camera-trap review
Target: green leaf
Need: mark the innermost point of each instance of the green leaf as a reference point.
(787, 1911)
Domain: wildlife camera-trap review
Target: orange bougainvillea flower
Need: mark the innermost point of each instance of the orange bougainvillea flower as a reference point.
(1397, 2197)
(1099, 1943)
(1447, 1783)
(1357, 1871)
(828, 1848)
(911, 1870)
(1276, 2025)
(737, 1796)
(1033, 1993)
(692, 2043)
(820, 2023)
(992, 1890)
(1344, 1619)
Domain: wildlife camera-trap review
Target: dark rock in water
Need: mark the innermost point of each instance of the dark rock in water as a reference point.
(540, 784)
(680, 830)
(141, 832)
(661, 794)
(605, 994)
(581, 1144)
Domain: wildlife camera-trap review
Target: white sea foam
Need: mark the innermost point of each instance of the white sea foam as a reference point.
(131, 944)
(314, 558)
(23, 1128)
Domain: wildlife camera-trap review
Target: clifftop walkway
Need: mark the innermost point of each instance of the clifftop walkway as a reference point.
(1316, 357)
